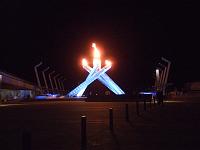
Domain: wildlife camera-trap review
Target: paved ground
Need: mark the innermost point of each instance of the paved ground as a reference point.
(56, 126)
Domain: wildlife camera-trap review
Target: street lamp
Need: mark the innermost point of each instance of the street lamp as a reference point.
(45, 81)
(62, 83)
(167, 73)
(59, 84)
(51, 80)
(36, 74)
(55, 81)
(0, 80)
(163, 75)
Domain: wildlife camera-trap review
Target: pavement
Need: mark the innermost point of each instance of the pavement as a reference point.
(55, 125)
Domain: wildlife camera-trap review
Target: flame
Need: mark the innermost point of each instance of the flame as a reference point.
(96, 51)
(94, 45)
(108, 63)
(84, 62)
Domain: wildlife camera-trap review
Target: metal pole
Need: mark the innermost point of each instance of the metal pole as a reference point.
(63, 87)
(0, 80)
(157, 78)
(160, 80)
(111, 119)
(36, 74)
(163, 79)
(83, 133)
(56, 82)
(167, 74)
(59, 84)
(168, 67)
(45, 81)
(145, 106)
(154, 99)
(163, 76)
(127, 112)
(51, 80)
(150, 103)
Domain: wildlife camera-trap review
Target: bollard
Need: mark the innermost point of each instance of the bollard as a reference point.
(26, 140)
(127, 112)
(111, 119)
(154, 100)
(83, 133)
(145, 106)
(150, 103)
(137, 108)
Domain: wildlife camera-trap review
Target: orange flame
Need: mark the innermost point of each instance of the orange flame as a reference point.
(84, 62)
(108, 63)
(96, 51)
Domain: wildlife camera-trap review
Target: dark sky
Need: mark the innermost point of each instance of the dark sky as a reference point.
(133, 35)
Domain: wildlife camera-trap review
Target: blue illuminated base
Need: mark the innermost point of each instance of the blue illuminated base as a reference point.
(47, 96)
(148, 93)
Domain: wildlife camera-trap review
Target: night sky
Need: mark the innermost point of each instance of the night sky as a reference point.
(133, 35)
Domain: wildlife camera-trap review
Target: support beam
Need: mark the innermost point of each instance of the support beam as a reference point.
(51, 80)
(62, 84)
(36, 74)
(56, 84)
(59, 84)
(44, 77)
(167, 74)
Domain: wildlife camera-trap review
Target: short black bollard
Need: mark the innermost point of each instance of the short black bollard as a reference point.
(154, 100)
(127, 112)
(83, 133)
(111, 119)
(137, 108)
(150, 103)
(145, 105)
(26, 140)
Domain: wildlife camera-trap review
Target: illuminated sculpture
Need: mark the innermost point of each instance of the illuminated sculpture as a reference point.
(96, 73)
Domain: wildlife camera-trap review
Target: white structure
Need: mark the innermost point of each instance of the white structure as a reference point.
(96, 72)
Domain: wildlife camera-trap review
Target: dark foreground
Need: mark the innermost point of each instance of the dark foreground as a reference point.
(56, 126)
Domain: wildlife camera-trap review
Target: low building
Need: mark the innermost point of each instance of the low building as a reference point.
(12, 87)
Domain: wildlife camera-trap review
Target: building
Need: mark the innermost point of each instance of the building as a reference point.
(12, 87)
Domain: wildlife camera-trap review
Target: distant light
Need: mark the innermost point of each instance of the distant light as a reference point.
(147, 93)
(157, 74)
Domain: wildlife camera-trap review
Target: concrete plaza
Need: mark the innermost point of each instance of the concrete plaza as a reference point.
(55, 125)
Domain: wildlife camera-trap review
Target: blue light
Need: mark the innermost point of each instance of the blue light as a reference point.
(147, 93)
(41, 97)
(47, 96)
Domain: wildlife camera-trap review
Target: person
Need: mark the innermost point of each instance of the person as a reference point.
(154, 97)
(160, 97)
